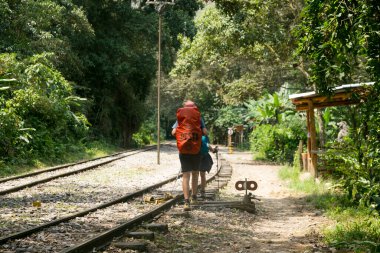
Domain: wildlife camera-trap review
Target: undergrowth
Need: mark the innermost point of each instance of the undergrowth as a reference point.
(357, 228)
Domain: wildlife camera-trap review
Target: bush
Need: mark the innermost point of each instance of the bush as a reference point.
(37, 114)
(360, 184)
(278, 142)
(145, 135)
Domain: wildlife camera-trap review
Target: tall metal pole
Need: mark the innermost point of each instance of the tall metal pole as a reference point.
(160, 7)
(158, 86)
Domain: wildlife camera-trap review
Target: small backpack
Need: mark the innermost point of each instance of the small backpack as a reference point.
(204, 146)
(188, 132)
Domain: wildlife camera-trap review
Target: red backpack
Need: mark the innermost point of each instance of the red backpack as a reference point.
(188, 132)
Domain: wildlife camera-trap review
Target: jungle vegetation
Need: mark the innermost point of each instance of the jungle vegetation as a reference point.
(73, 72)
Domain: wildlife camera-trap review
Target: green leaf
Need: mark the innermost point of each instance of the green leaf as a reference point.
(7, 80)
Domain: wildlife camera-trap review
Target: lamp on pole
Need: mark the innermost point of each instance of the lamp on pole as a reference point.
(160, 6)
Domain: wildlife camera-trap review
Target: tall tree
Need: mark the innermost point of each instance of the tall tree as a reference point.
(121, 60)
(342, 41)
(332, 37)
(241, 49)
(34, 27)
(107, 49)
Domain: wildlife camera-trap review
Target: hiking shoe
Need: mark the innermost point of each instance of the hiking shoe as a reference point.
(194, 200)
(186, 206)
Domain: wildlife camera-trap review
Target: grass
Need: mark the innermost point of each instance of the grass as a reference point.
(259, 156)
(71, 154)
(243, 147)
(307, 185)
(357, 229)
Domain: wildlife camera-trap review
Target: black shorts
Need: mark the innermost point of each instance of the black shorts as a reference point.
(206, 162)
(189, 162)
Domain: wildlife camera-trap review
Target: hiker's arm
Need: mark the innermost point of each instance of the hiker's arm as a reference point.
(203, 127)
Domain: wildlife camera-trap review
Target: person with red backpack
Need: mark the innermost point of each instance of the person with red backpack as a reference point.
(188, 131)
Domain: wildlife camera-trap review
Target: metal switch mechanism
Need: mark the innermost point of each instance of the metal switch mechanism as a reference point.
(247, 185)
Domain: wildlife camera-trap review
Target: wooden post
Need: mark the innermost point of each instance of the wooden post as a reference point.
(229, 144)
(239, 129)
(242, 137)
(308, 144)
(300, 148)
(230, 132)
(313, 140)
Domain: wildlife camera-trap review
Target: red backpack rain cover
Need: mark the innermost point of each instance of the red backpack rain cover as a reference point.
(188, 132)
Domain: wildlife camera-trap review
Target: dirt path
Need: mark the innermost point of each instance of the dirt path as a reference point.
(284, 221)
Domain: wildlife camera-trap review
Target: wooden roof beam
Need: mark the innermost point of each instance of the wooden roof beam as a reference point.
(320, 99)
(303, 107)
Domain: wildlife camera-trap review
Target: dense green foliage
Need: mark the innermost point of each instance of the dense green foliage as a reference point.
(277, 130)
(105, 47)
(34, 27)
(147, 133)
(120, 65)
(358, 230)
(341, 40)
(103, 50)
(121, 61)
(241, 53)
(334, 37)
(236, 55)
(39, 114)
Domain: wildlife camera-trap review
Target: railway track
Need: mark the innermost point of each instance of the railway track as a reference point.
(17, 183)
(124, 198)
(103, 241)
(58, 234)
(58, 167)
(61, 235)
(66, 196)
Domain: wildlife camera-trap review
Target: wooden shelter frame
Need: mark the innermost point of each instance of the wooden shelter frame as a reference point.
(344, 95)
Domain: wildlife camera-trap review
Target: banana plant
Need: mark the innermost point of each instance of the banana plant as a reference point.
(270, 109)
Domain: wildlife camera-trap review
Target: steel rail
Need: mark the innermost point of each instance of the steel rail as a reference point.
(124, 198)
(58, 167)
(20, 187)
(103, 239)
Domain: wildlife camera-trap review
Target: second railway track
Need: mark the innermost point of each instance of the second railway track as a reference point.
(16, 183)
